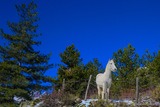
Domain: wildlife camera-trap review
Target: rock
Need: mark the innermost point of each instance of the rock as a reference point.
(146, 100)
(78, 100)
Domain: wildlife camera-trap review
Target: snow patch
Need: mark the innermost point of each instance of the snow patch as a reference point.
(88, 101)
(128, 102)
(38, 104)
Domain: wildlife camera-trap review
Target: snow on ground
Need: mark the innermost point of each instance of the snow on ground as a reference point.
(18, 99)
(128, 102)
(38, 104)
(87, 102)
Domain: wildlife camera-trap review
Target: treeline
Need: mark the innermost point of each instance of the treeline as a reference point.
(76, 73)
(129, 66)
(22, 67)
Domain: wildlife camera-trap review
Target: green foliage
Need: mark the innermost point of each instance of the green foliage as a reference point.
(115, 88)
(145, 73)
(99, 103)
(152, 75)
(92, 68)
(29, 103)
(154, 67)
(22, 68)
(147, 58)
(36, 101)
(8, 104)
(127, 61)
(74, 72)
(144, 77)
(70, 57)
(130, 66)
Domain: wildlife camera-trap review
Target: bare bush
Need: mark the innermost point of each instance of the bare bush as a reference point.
(59, 99)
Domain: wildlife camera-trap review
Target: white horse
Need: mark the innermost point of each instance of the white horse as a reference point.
(103, 80)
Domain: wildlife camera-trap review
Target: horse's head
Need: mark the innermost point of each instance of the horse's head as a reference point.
(112, 65)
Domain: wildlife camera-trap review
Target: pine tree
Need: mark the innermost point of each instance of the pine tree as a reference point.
(145, 74)
(75, 72)
(154, 69)
(93, 68)
(22, 67)
(71, 67)
(71, 57)
(127, 62)
(147, 58)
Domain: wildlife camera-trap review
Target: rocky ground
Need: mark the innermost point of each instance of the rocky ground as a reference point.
(145, 101)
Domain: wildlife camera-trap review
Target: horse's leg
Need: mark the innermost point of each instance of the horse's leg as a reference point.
(99, 91)
(107, 93)
(104, 90)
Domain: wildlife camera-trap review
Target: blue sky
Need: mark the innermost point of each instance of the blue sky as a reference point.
(96, 27)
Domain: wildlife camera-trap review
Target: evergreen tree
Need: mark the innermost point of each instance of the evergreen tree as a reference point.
(71, 68)
(93, 68)
(75, 72)
(127, 63)
(147, 58)
(71, 57)
(154, 69)
(22, 67)
(144, 73)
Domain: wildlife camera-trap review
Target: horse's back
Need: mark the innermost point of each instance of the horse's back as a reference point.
(100, 75)
(99, 78)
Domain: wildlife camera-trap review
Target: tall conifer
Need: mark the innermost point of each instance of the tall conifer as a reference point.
(22, 67)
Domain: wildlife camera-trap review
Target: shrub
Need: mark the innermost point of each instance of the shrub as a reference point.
(59, 99)
(8, 105)
(156, 93)
(101, 103)
(52, 100)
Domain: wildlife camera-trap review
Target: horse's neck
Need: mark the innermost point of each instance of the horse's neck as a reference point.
(107, 72)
